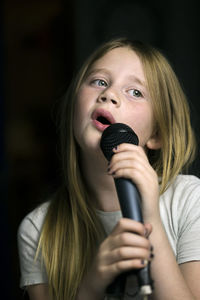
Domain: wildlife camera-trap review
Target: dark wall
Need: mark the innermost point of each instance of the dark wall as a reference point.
(37, 62)
(5, 248)
(42, 43)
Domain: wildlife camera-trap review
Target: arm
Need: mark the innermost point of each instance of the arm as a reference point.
(191, 274)
(38, 292)
(187, 221)
(170, 281)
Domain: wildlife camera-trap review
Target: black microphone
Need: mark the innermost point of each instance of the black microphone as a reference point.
(130, 202)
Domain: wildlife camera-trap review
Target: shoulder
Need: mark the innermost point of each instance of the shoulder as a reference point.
(180, 213)
(182, 195)
(32, 223)
(183, 187)
(185, 181)
(181, 201)
(32, 270)
(187, 195)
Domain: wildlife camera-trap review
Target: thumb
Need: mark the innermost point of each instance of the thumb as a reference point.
(149, 229)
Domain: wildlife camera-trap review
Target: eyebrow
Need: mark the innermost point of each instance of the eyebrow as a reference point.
(137, 80)
(92, 71)
(130, 77)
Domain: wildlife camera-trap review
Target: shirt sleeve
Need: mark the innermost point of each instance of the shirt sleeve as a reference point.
(188, 246)
(32, 269)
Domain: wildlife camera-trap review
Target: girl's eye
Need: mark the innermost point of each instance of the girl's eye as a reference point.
(135, 93)
(99, 82)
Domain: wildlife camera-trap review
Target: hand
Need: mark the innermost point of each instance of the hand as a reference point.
(126, 248)
(130, 161)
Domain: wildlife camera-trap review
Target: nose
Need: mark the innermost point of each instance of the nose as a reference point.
(111, 95)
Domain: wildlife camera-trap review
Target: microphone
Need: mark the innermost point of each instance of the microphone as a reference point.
(130, 203)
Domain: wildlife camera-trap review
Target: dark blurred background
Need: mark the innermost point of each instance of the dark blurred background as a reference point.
(42, 42)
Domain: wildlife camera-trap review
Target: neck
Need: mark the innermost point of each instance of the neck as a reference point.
(100, 186)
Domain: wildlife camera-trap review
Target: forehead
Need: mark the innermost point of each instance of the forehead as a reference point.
(122, 59)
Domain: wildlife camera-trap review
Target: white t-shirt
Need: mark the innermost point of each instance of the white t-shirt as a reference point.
(180, 214)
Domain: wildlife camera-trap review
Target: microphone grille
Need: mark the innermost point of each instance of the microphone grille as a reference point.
(115, 135)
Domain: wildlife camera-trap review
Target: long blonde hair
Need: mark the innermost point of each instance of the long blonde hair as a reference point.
(71, 229)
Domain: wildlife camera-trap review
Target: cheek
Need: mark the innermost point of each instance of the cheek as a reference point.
(77, 113)
(81, 116)
(142, 122)
(78, 117)
(79, 109)
(82, 105)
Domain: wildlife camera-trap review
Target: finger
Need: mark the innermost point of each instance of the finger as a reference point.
(127, 233)
(126, 146)
(129, 253)
(139, 172)
(128, 240)
(131, 154)
(129, 225)
(127, 169)
(129, 165)
(149, 229)
(126, 161)
(123, 148)
(127, 265)
(132, 239)
(138, 176)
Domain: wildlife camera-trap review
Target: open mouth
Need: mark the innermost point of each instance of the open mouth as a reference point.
(103, 120)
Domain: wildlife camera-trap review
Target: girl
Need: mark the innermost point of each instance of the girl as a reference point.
(76, 244)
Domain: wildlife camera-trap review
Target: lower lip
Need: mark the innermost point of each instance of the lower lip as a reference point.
(99, 125)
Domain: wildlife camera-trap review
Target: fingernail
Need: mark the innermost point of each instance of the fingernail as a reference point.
(144, 262)
(115, 148)
(146, 233)
(151, 256)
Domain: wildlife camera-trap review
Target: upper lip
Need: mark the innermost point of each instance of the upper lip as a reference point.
(100, 112)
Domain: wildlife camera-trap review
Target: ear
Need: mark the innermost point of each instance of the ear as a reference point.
(154, 143)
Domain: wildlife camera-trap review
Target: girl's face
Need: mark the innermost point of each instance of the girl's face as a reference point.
(114, 92)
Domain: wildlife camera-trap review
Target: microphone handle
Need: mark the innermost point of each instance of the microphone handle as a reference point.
(129, 199)
(130, 203)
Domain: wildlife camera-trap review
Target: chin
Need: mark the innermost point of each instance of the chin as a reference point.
(91, 145)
